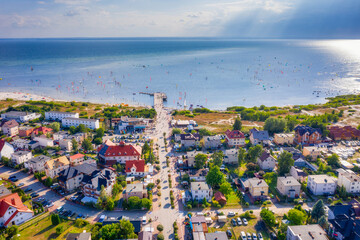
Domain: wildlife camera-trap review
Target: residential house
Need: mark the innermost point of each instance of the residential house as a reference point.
(216, 236)
(58, 116)
(191, 158)
(42, 130)
(145, 235)
(77, 159)
(10, 128)
(199, 227)
(37, 164)
(284, 138)
(259, 137)
(231, 156)
(6, 149)
(54, 166)
(183, 123)
(21, 157)
(198, 175)
(91, 184)
(349, 180)
(135, 168)
(200, 190)
(212, 142)
(321, 184)
(298, 174)
(79, 236)
(266, 161)
(338, 133)
(220, 198)
(306, 232)
(44, 141)
(13, 211)
(307, 135)
(135, 189)
(312, 151)
(129, 125)
(25, 131)
(20, 116)
(258, 188)
(190, 140)
(136, 222)
(66, 144)
(89, 123)
(25, 144)
(72, 177)
(288, 186)
(60, 135)
(121, 153)
(234, 138)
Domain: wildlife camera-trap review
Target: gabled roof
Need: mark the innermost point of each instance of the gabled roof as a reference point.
(259, 135)
(42, 129)
(68, 174)
(10, 124)
(234, 134)
(219, 196)
(265, 155)
(145, 235)
(190, 136)
(76, 156)
(12, 200)
(301, 130)
(57, 162)
(3, 143)
(199, 186)
(118, 150)
(138, 164)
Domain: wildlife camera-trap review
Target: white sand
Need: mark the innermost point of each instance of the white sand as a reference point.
(25, 96)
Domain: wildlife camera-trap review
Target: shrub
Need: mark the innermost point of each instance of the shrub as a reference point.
(160, 236)
(59, 230)
(160, 227)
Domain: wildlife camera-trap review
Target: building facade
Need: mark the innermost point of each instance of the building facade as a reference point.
(321, 184)
(288, 186)
(58, 116)
(89, 123)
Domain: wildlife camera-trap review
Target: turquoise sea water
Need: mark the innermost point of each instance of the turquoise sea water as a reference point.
(213, 73)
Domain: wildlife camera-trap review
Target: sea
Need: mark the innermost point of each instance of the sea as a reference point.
(214, 73)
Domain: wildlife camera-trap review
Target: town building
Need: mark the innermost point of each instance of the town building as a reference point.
(288, 186)
(77, 159)
(296, 153)
(135, 168)
(284, 138)
(235, 138)
(54, 166)
(91, 184)
(231, 156)
(121, 153)
(349, 180)
(145, 235)
(266, 161)
(135, 189)
(212, 142)
(44, 141)
(321, 184)
(312, 151)
(25, 144)
(191, 158)
(220, 198)
(6, 149)
(58, 116)
(72, 177)
(66, 144)
(190, 140)
(42, 131)
(183, 123)
(258, 188)
(200, 190)
(306, 232)
(307, 135)
(259, 137)
(79, 236)
(338, 133)
(216, 236)
(13, 211)
(37, 164)
(198, 175)
(129, 125)
(20, 116)
(21, 157)
(298, 174)
(10, 128)
(25, 131)
(89, 123)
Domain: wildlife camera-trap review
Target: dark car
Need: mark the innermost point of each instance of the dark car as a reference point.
(233, 222)
(228, 233)
(34, 195)
(28, 190)
(273, 236)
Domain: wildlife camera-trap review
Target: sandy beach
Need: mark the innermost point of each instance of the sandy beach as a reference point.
(25, 96)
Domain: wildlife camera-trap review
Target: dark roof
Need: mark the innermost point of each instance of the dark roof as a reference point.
(264, 155)
(86, 168)
(145, 235)
(346, 220)
(79, 236)
(135, 222)
(301, 130)
(10, 124)
(190, 136)
(259, 135)
(216, 236)
(68, 174)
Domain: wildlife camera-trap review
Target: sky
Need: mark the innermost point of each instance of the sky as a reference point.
(180, 18)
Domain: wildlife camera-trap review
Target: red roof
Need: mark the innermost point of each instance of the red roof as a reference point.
(2, 144)
(219, 196)
(42, 129)
(234, 134)
(12, 200)
(76, 156)
(10, 124)
(118, 150)
(138, 164)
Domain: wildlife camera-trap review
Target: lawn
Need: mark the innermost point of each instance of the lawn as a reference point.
(232, 200)
(45, 230)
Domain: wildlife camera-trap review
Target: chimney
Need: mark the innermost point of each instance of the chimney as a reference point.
(13, 201)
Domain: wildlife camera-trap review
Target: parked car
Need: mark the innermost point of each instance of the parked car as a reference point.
(273, 236)
(231, 214)
(59, 209)
(21, 184)
(248, 236)
(228, 233)
(34, 195)
(233, 222)
(238, 220)
(243, 235)
(254, 236)
(14, 179)
(102, 218)
(245, 221)
(260, 237)
(28, 190)
(41, 199)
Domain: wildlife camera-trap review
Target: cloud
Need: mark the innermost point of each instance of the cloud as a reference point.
(73, 2)
(71, 13)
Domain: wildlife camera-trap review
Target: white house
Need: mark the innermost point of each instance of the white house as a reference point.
(37, 164)
(200, 190)
(77, 159)
(349, 180)
(191, 157)
(91, 186)
(10, 128)
(212, 142)
(306, 232)
(198, 175)
(44, 141)
(266, 161)
(25, 144)
(6, 149)
(20, 116)
(231, 156)
(321, 184)
(21, 157)
(13, 211)
(135, 168)
(89, 123)
(54, 115)
(288, 186)
(298, 174)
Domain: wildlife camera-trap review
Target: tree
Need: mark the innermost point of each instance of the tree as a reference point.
(342, 192)
(241, 155)
(12, 231)
(291, 122)
(205, 132)
(176, 131)
(75, 145)
(323, 222)
(86, 145)
(99, 133)
(254, 152)
(116, 189)
(72, 130)
(55, 126)
(97, 141)
(48, 182)
(275, 125)
(160, 236)
(252, 166)
(55, 219)
(134, 202)
(81, 128)
(268, 217)
(285, 161)
(122, 230)
(318, 210)
(110, 204)
(146, 148)
(146, 203)
(237, 124)
(160, 228)
(333, 160)
(200, 160)
(296, 217)
(215, 177)
(225, 188)
(59, 230)
(217, 158)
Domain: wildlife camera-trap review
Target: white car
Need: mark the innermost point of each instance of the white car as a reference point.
(21, 184)
(231, 214)
(243, 235)
(245, 222)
